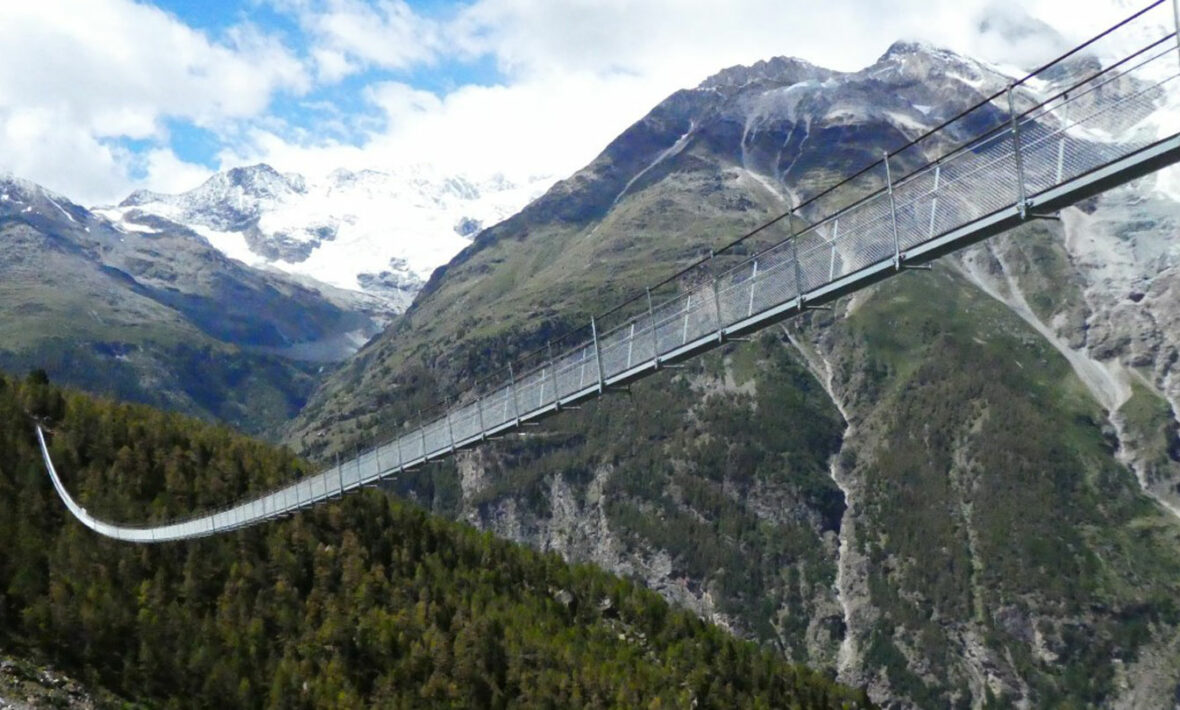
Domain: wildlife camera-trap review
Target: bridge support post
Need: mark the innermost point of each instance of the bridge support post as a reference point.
(655, 341)
(836, 236)
(832, 259)
(1176, 24)
(630, 344)
(934, 199)
(512, 388)
(893, 214)
(553, 376)
(1021, 199)
(753, 284)
(422, 436)
(1061, 141)
(597, 356)
(795, 258)
(716, 299)
(340, 474)
(483, 431)
(450, 431)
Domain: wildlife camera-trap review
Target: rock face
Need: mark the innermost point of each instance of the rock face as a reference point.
(150, 312)
(228, 201)
(336, 227)
(27, 686)
(957, 489)
(1101, 288)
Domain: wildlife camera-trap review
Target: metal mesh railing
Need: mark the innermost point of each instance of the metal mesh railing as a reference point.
(999, 157)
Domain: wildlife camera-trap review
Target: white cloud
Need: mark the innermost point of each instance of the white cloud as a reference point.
(167, 173)
(74, 74)
(332, 65)
(576, 73)
(693, 38)
(35, 144)
(543, 126)
(351, 34)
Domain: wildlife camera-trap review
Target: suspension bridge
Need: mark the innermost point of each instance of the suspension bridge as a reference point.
(1069, 130)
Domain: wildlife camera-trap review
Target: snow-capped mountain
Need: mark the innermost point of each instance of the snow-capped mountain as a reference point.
(381, 232)
(159, 316)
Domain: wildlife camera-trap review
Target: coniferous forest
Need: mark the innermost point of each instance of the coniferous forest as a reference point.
(365, 602)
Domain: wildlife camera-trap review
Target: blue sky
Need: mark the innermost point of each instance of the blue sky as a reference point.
(314, 110)
(100, 97)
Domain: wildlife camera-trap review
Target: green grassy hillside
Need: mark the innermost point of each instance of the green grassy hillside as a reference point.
(992, 512)
(987, 508)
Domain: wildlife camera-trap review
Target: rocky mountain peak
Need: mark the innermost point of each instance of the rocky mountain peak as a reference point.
(243, 184)
(19, 196)
(904, 48)
(921, 60)
(16, 189)
(140, 197)
(259, 181)
(782, 71)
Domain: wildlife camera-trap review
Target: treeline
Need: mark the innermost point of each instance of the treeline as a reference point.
(360, 603)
